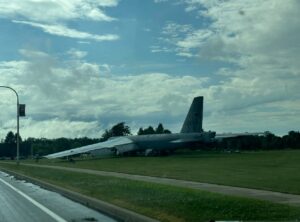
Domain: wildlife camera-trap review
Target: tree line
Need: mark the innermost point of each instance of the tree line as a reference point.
(150, 130)
(42, 146)
(267, 142)
(39, 146)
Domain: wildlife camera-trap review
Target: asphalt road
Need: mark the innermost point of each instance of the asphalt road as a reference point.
(26, 202)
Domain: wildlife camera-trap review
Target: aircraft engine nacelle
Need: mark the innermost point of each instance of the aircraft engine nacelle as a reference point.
(148, 152)
(120, 149)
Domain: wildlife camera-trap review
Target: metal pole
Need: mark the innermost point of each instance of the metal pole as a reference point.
(18, 131)
(18, 116)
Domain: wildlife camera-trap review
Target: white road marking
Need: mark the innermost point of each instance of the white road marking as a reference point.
(43, 208)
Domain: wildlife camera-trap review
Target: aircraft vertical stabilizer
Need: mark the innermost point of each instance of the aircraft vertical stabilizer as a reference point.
(193, 120)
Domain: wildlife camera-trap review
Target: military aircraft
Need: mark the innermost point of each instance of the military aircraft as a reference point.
(191, 135)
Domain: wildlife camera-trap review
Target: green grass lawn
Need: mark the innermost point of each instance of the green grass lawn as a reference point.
(166, 203)
(269, 170)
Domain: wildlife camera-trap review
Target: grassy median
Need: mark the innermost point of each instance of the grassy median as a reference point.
(163, 202)
(269, 170)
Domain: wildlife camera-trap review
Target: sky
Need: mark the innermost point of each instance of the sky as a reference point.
(81, 66)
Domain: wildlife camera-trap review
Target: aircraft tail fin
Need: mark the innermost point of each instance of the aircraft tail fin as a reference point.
(193, 120)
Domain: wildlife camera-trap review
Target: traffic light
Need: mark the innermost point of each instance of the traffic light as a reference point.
(21, 109)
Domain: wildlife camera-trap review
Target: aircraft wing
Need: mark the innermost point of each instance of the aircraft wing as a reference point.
(230, 135)
(109, 144)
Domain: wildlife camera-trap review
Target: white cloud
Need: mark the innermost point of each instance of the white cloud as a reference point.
(259, 41)
(83, 42)
(79, 94)
(156, 48)
(55, 128)
(77, 54)
(182, 39)
(58, 93)
(56, 11)
(53, 16)
(263, 41)
(237, 28)
(185, 54)
(160, 1)
(173, 29)
(61, 30)
(173, 40)
(194, 39)
(240, 27)
(32, 54)
(257, 89)
(105, 68)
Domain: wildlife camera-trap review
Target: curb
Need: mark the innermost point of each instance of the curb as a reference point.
(111, 210)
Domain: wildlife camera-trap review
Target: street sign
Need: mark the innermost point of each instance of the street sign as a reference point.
(21, 109)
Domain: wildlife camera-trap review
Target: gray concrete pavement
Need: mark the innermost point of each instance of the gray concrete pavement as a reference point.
(26, 202)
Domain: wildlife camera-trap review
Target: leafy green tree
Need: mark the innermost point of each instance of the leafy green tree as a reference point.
(62, 144)
(10, 138)
(120, 129)
(160, 129)
(271, 141)
(166, 131)
(106, 135)
(292, 140)
(11, 147)
(149, 130)
(141, 131)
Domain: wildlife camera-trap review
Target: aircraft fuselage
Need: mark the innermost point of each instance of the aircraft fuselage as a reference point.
(168, 142)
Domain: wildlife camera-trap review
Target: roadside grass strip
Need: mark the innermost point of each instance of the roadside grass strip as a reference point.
(162, 202)
(265, 170)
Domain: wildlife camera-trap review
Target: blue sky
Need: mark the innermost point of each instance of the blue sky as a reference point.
(81, 66)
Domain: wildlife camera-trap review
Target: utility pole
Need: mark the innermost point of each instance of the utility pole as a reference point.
(18, 117)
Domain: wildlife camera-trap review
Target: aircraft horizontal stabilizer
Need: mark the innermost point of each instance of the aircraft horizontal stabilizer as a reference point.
(109, 144)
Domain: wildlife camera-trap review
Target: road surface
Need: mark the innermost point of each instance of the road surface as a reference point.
(26, 202)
